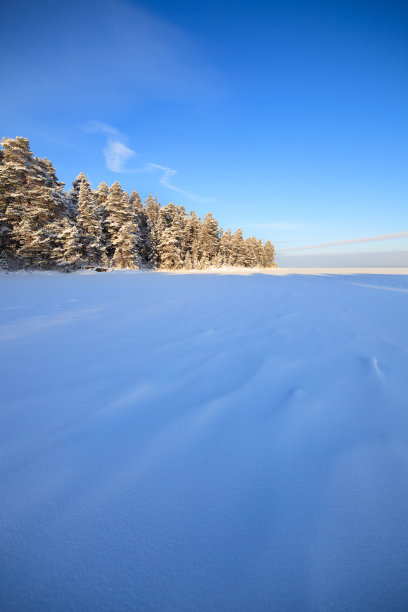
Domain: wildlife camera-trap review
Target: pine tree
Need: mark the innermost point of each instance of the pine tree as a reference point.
(250, 253)
(268, 255)
(56, 186)
(142, 233)
(169, 231)
(188, 263)
(149, 236)
(68, 245)
(169, 250)
(30, 209)
(121, 229)
(89, 226)
(209, 239)
(125, 245)
(15, 169)
(72, 200)
(191, 237)
(135, 203)
(226, 248)
(237, 257)
(101, 196)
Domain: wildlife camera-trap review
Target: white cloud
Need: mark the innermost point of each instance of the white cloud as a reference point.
(98, 127)
(116, 154)
(352, 241)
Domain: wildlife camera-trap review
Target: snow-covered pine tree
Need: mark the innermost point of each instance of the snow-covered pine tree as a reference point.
(72, 199)
(101, 195)
(169, 250)
(89, 226)
(135, 203)
(268, 255)
(237, 248)
(142, 229)
(125, 245)
(217, 260)
(121, 229)
(30, 210)
(250, 253)
(191, 237)
(67, 246)
(54, 184)
(38, 231)
(15, 168)
(150, 237)
(226, 248)
(169, 237)
(209, 239)
(188, 264)
(259, 252)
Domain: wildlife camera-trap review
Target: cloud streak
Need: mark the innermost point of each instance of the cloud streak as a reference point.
(352, 241)
(117, 153)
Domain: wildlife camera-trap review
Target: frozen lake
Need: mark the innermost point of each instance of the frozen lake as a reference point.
(209, 442)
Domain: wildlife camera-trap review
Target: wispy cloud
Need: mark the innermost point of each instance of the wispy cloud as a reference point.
(167, 173)
(352, 241)
(117, 153)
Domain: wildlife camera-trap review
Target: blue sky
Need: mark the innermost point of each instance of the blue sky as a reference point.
(288, 119)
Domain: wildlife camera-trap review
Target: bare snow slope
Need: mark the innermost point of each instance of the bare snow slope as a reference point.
(203, 442)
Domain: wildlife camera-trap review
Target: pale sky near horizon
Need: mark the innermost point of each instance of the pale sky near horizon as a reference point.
(288, 118)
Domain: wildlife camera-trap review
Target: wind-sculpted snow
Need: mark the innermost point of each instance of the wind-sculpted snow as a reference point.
(182, 442)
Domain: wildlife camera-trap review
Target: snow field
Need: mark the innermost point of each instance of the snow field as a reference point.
(203, 442)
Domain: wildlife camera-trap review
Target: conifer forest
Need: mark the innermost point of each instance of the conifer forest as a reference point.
(45, 227)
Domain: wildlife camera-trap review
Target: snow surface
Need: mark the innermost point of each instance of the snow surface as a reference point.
(203, 442)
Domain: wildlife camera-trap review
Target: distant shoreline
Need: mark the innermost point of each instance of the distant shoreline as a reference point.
(346, 271)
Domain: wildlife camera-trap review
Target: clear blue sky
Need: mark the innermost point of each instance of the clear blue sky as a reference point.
(289, 119)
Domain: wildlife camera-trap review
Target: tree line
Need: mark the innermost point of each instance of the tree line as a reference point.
(42, 226)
